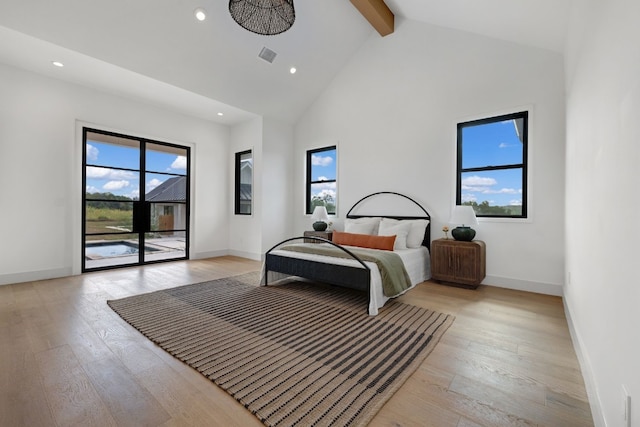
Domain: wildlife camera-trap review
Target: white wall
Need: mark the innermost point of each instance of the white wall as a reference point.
(602, 295)
(246, 230)
(40, 181)
(393, 112)
(272, 145)
(277, 159)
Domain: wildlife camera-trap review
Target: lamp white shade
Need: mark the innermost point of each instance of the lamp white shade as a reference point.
(463, 215)
(320, 214)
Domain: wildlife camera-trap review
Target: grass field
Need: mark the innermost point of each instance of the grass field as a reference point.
(101, 220)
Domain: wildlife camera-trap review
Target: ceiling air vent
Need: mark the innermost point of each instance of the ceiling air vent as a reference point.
(267, 54)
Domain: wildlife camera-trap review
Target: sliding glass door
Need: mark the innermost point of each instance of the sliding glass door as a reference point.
(135, 201)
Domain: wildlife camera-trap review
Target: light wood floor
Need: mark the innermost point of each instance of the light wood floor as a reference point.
(67, 359)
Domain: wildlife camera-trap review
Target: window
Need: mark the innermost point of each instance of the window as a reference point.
(492, 166)
(244, 179)
(321, 179)
(135, 199)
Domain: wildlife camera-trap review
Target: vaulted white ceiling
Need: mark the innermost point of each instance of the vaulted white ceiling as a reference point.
(155, 50)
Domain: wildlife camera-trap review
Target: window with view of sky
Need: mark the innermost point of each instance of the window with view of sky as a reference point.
(136, 195)
(114, 169)
(492, 165)
(321, 179)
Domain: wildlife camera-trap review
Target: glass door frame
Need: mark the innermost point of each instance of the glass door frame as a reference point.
(140, 221)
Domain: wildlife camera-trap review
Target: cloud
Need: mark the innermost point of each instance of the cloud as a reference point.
(484, 185)
(109, 174)
(505, 145)
(328, 192)
(321, 161)
(179, 163)
(325, 186)
(478, 181)
(92, 153)
(477, 184)
(467, 197)
(476, 188)
(116, 185)
(502, 191)
(325, 189)
(92, 189)
(153, 184)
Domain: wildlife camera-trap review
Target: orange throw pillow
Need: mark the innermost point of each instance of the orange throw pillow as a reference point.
(364, 240)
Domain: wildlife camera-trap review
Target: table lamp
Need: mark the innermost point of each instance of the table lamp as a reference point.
(321, 217)
(463, 216)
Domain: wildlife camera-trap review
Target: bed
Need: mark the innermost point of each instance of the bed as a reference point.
(347, 262)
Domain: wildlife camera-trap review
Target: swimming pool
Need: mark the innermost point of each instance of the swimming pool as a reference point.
(113, 249)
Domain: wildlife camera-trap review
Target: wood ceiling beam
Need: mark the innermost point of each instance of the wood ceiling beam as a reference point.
(377, 13)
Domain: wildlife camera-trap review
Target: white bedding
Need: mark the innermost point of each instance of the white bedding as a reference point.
(416, 262)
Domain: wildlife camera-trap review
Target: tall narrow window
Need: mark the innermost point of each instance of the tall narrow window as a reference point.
(244, 180)
(321, 179)
(492, 165)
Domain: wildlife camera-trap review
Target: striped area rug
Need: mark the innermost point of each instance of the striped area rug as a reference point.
(296, 354)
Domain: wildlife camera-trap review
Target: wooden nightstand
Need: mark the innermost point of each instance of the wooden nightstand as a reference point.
(458, 263)
(324, 234)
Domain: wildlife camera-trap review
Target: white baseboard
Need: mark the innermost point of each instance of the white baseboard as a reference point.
(215, 254)
(210, 254)
(524, 285)
(30, 276)
(248, 255)
(587, 371)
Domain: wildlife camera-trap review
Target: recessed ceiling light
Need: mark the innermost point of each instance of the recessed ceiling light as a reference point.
(221, 114)
(58, 63)
(200, 14)
(292, 70)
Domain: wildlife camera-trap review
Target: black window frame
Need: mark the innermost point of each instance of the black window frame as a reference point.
(238, 184)
(141, 207)
(309, 182)
(524, 115)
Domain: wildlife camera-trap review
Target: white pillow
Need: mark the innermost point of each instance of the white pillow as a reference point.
(368, 225)
(400, 230)
(416, 230)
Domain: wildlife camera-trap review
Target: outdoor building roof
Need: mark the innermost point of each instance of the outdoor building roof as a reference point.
(245, 192)
(172, 190)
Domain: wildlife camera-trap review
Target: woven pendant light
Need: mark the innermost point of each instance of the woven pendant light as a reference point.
(266, 17)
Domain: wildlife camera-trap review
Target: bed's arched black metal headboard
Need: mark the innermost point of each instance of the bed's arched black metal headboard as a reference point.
(427, 233)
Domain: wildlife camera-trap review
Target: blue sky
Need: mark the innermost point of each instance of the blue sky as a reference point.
(323, 166)
(125, 182)
(489, 144)
(492, 144)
